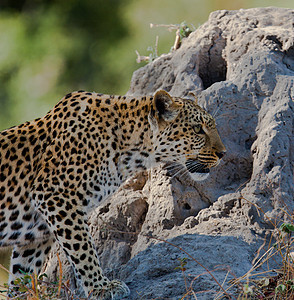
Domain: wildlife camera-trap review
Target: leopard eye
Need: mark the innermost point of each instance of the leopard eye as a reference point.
(198, 129)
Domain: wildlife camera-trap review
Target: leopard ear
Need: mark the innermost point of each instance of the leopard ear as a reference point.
(165, 107)
(193, 97)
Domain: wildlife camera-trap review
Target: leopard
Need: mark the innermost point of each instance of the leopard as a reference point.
(56, 169)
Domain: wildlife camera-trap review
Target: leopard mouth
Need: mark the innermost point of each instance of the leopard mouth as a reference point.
(195, 166)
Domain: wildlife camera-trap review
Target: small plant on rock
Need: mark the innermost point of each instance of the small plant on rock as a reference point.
(183, 30)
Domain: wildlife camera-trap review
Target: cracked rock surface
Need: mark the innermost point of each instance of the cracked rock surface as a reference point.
(240, 64)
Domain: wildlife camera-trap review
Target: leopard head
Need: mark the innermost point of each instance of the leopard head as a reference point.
(185, 136)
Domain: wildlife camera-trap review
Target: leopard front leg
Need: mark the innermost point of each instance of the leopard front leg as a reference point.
(29, 259)
(67, 221)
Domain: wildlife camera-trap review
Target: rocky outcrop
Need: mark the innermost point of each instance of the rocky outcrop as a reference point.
(240, 64)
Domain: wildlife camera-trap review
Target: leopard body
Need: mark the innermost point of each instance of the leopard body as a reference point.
(56, 169)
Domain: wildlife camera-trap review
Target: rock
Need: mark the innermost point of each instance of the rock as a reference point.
(240, 64)
(156, 272)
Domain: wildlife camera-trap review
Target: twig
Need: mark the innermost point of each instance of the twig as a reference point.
(60, 274)
(141, 58)
(170, 27)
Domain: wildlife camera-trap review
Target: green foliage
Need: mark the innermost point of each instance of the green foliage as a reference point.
(281, 288)
(185, 30)
(287, 228)
(183, 263)
(152, 53)
(181, 31)
(49, 48)
(247, 289)
(275, 283)
(29, 286)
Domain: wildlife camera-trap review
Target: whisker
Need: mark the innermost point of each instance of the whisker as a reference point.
(185, 171)
(215, 111)
(176, 170)
(177, 173)
(173, 163)
(195, 166)
(179, 156)
(170, 167)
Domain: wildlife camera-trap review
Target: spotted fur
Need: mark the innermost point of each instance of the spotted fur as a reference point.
(56, 169)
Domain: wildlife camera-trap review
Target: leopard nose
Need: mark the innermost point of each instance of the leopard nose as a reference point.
(220, 154)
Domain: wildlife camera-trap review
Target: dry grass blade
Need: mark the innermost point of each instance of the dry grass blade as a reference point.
(5, 269)
(60, 275)
(34, 289)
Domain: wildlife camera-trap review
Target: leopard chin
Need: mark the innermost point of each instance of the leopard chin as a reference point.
(197, 170)
(199, 176)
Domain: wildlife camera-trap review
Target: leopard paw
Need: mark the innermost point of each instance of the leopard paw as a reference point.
(114, 290)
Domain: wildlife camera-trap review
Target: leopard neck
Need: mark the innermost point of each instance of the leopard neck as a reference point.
(133, 133)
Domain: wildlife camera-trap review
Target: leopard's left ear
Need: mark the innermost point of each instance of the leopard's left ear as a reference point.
(165, 107)
(192, 97)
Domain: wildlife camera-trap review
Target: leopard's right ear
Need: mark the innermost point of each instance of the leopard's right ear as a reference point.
(192, 97)
(165, 107)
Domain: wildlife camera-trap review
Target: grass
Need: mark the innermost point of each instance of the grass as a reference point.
(273, 283)
(33, 287)
(277, 283)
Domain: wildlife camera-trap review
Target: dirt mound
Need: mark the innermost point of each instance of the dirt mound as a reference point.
(240, 64)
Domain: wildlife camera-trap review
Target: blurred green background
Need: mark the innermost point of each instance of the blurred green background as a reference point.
(51, 47)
